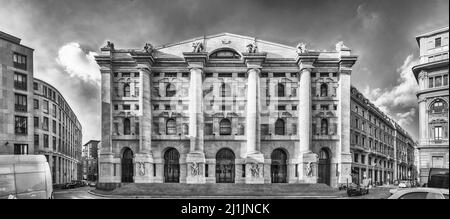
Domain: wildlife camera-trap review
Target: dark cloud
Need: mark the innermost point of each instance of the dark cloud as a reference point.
(381, 32)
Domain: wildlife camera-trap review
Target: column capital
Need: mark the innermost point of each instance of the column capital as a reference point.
(143, 58)
(254, 60)
(422, 75)
(196, 60)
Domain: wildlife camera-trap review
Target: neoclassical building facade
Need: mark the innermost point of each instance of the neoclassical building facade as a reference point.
(432, 77)
(225, 109)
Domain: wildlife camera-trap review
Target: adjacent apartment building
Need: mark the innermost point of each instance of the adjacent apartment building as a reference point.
(432, 78)
(89, 160)
(34, 116)
(382, 150)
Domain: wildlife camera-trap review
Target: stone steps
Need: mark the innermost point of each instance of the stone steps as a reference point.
(222, 190)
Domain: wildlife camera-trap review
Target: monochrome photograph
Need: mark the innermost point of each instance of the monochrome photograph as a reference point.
(224, 100)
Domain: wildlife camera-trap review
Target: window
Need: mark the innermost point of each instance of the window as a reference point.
(54, 110)
(431, 82)
(363, 159)
(54, 144)
(136, 106)
(280, 127)
(36, 104)
(324, 107)
(241, 129)
(279, 75)
(171, 90)
(437, 42)
(36, 140)
(21, 125)
(438, 107)
(20, 81)
(208, 129)
(356, 158)
(155, 107)
(126, 107)
(186, 129)
(20, 149)
(116, 107)
(136, 128)
(54, 127)
(225, 127)
(126, 75)
(20, 103)
(36, 122)
(20, 61)
(171, 127)
(171, 75)
(264, 129)
(324, 90)
(46, 106)
(126, 90)
(281, 107)
(438, 133)
(280, 90)
(438, 81)
(185, 75)
(225, 90)
(35, 86)
(225, 75)
(294, 107)
(415, 195)
(225, 54)
(126, 126)
(137, 74)
(45, 141)
(324, 127)
(45, 124)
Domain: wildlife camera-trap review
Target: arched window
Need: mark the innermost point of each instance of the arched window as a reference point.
(324, 127)
(225, 127)
(324, 90)
(171, 90)
(225, 90)
(280, 127)
(225, 54)
(126, 126)
(171, 127)
(126, 90)
(438, 106)
(281, 90)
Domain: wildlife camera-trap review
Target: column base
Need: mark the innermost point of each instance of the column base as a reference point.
(106, 164)
(195, 168)
(308, 170)
(254, 169)
(144, 168)
(345, 168)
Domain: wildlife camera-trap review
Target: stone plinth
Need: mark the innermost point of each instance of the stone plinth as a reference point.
(143, 168)
(254, 169)
(308, 168)
(195, 168)
(106, 169)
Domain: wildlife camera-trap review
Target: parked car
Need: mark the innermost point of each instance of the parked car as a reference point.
(92, 184)
(357, 190)
(438, 178)
(404, 184)
(25, 177)
(419, 193)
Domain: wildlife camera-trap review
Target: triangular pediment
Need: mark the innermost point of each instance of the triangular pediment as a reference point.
(227, 41)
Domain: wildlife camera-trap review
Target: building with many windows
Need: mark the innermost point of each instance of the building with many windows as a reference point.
(34, 117)
(225, 109)
(432, 77)
(89, 160)
(382, 150)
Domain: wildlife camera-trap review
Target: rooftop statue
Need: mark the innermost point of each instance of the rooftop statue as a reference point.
(148, 48)
(252, 48)
(198, 47)
(301, 48)
(340, 46)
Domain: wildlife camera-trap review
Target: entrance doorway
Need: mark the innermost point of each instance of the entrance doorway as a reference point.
(324, 167)
(278, 168)
(172, 166)
(225, 166)
(127, 166)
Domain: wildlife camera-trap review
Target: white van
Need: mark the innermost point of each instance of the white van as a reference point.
(25, 177)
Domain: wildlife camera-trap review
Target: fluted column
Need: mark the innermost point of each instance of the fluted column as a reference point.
(253, 114)
(304, 111)
(196, 109)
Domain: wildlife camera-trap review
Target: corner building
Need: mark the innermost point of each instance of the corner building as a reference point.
(225, 109)
(432, 78)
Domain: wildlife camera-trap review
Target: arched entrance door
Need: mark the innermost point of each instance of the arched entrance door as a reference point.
(225, 166)
(127, 166)
(324, 167)
(172, 166)
(278, 168)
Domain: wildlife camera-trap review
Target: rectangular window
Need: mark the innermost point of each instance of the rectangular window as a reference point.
(36, 104)
(445, 80)
(136, 107)
(279, 75)
(437, 42)
(225, 75)
(21, 125)
(208, 129)
(36, 122)
(137, 75)
(363, 159)
(356, 158)
(241, 75)
(54, 127)
(155, 107)
(54, 110)
(126, 107)
(171, 75)
(294, 107)
(45, 124)
(264, 75)
(45, 141)
(243, 170)
(115, 169)
(438, 81)
(281, 107)
(324, 75)
(20, 61)
(154, 170)
(206, 170)
(437, 162)
(431, 82)
(264, 129)
(126, 75)
(21, 149)
(54, 144)
(296, 170)
(36, 140)
(136, 131)
(20, 103)
(324, 107)
(46, 106)
(438, 133)
(35, 86)
(20, 81)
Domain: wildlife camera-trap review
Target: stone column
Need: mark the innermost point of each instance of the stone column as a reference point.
(144, 158)
(195, 159)
(307, 160)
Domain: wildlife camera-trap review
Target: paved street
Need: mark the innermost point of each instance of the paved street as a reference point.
(79, 193)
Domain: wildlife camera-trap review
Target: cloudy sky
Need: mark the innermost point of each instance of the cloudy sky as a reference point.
(66, 34)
